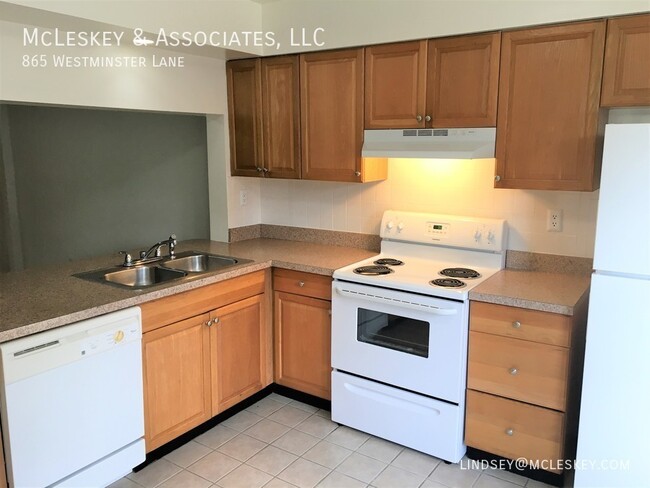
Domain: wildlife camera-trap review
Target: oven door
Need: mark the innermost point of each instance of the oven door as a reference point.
(407, 340)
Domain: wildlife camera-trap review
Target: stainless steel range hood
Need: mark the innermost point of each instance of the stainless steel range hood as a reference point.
(430, 143)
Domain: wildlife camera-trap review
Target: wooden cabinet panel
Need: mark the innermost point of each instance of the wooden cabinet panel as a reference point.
(626, 75)
(520, 323)
(462, 81)
(281, 116)
(307, 284)
(238, 349)
(513, 429)
(302, 343)
(395, 83)
(548, 127)
(522, 370)
(244, 116)
(331, 103)
(177, 307)
(176, 369)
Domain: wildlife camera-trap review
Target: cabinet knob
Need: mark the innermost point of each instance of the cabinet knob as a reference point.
(497, 178)
(513, 371)
(427, 118)
(266, 170)
(418, 118)
(259, 169)
(209, 323)
(301, 284)
(357, 173)
(510, 432)
(516, 324)
(215, 320)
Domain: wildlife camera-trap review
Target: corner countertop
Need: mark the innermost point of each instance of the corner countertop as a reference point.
(40, 299)
(549, 292)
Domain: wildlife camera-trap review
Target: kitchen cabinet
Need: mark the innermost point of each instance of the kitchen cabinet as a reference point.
(204, 350)
(244, 117)
(449, 82)
(302, 320)
(549, 127)
(524, 369)
(626, 74)
(331, 118)
(281, 117)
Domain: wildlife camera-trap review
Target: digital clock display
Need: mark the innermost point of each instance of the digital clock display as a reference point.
(437, 227)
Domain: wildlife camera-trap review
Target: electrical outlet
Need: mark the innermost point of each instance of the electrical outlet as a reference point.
(243, 197)
(554, 220)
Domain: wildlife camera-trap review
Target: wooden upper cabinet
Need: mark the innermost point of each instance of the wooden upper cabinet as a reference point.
(331, 102)
(395, 84)
(549, 127)
(462, 81)
(244, 116)
(450, 82)
(281, 116)
(626, 75)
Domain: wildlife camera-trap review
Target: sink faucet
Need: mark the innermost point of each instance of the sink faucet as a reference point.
(145, 256)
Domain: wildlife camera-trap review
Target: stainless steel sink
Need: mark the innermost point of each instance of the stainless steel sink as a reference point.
(185, 265)
(199, 262)
(143, 276)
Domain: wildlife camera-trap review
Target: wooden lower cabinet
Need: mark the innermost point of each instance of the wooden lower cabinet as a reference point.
(196, 367)
(238, 352)
(523, 380)
(302, 322)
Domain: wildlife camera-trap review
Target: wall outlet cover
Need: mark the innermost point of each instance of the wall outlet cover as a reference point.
(554, 220)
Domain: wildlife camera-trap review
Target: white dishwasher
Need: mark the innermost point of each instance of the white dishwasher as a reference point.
(72, 404)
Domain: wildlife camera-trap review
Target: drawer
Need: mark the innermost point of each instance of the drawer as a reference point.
(512, 429)
(521, 370)
(306, 284)
(520, 323)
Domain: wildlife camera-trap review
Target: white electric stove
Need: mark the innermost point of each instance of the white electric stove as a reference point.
(400, 328)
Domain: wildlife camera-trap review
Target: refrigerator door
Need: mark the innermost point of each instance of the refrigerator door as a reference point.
(623, 227)
(614, 429)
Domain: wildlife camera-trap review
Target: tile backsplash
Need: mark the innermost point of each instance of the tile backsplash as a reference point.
(462, 187)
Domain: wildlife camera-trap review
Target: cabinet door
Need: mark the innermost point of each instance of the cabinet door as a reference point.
(462, 81)
(176, 369)
(238, 349)
(548, 119)
(331, 113)
(281, 116)
(244, 116)
(626, 75)
(395, 79)
(302, 343)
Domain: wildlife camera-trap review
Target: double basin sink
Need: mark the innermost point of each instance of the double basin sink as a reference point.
(184, 265)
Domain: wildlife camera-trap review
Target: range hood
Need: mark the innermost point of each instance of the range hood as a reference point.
(430, 143)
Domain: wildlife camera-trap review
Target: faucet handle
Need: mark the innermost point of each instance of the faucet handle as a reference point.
(128, 259)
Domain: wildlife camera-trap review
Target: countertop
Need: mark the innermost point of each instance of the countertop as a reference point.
(549, 292)
(35, 300)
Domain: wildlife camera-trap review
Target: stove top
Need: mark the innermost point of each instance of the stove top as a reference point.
(431, 254)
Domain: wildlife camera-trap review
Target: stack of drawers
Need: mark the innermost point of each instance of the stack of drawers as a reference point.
(518, 377)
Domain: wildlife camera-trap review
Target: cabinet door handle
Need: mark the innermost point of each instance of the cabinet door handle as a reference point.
(427, 118)
(259, 169)
(301, 284)
(357, 173)
(513, 371)
(418, 118)
(516, 324)
(510, 432)
(215, 320)
(497, 178)
(266, 170)
(209, 323)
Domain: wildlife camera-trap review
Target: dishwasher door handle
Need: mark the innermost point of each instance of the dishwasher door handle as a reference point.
(420, 307)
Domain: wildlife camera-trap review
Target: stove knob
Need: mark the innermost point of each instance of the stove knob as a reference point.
(491, 237)
(477, 235)
(400, 227)
(390, 225)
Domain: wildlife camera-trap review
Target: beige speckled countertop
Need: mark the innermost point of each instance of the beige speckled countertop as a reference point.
(548, 292)
(35, 300)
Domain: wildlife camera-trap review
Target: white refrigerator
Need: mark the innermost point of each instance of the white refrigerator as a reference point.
(614, 429)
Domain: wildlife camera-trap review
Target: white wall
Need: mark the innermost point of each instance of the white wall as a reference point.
(363, 22)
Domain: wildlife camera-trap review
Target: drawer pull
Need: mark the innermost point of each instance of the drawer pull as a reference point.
(516, 324)
(513, 371)
(510, 432)
(301, 284)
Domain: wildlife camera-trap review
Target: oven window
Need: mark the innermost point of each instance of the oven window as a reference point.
(393, 332)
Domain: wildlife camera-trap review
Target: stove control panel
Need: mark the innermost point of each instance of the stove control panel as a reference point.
(437, 230)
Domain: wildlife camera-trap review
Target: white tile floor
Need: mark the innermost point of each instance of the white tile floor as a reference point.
(279, 442)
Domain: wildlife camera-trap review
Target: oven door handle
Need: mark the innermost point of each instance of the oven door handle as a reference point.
(396, 302)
